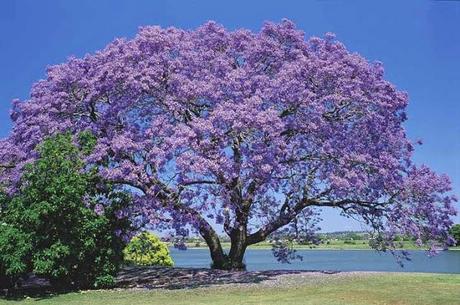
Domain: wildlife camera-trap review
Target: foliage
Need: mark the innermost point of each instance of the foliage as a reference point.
(50, 226)
(241, 130)
(15, 247)
(104, 281)
(146, 249)
(455, 232)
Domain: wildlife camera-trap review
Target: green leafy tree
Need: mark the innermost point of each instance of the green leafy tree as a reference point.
(146, 249)
(64, 223)
(455, 232)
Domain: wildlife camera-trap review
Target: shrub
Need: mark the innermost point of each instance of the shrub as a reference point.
(146, 249)
(50, 226)
(104, 281)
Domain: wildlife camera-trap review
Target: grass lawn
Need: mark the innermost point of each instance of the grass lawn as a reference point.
(397, 288)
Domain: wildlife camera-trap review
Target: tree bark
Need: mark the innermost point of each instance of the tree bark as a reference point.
(218, 257)
(237, 248)
(233, 260)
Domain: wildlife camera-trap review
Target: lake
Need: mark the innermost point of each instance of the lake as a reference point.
(340, 260)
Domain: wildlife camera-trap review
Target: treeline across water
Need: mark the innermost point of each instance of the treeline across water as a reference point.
(328, 240)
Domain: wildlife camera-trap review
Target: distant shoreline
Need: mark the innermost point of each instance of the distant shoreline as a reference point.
(319, 248)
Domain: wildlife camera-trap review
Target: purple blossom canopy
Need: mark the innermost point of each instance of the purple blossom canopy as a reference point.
(248, 131)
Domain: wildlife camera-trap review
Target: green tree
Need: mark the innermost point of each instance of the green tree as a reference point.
(64, 223)
(455, 232)
(146, 249)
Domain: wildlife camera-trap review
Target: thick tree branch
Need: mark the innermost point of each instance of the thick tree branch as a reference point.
(7, 166)
(198, 182)
(288, 214)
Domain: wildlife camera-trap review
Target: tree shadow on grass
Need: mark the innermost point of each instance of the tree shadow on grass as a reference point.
(155, 278)
(32, 287)
(185, 278)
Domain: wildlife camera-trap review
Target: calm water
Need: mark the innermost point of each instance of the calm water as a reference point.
(341, 260)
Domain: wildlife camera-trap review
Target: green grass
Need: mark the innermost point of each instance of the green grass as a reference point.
(401, 289)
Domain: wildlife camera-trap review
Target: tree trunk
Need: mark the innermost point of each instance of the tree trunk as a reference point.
(221, 260)
(237, 249)
(218, 256)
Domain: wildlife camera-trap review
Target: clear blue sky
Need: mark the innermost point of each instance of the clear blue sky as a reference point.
(418, 42)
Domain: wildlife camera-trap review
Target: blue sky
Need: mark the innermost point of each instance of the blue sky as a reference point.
(418, 42)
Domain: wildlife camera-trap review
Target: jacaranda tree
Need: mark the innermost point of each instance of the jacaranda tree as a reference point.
(241, 132)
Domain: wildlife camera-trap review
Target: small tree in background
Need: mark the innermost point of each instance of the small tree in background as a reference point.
(455, 232)
(146, 249)
(63, 224)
